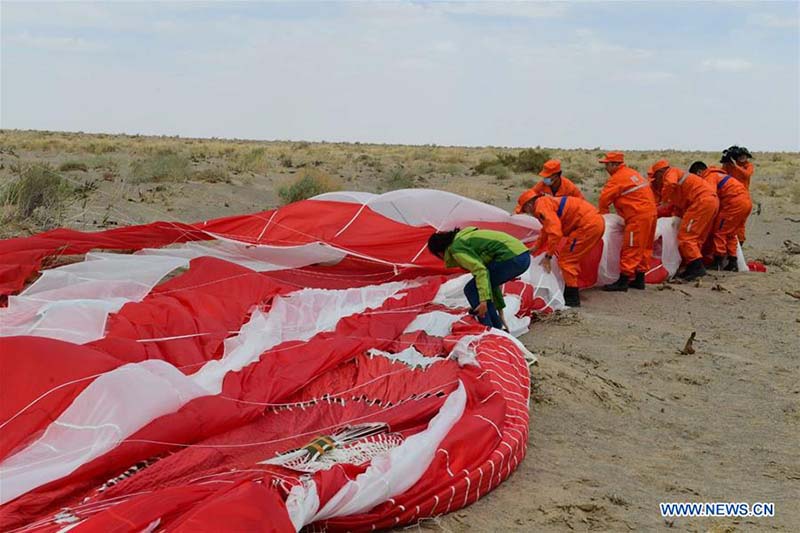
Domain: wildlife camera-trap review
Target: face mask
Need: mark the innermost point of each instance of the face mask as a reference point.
(548, 181)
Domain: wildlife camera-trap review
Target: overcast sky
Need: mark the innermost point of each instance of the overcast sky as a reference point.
(683, 75)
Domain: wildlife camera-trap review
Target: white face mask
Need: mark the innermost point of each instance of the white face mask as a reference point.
(548, 181)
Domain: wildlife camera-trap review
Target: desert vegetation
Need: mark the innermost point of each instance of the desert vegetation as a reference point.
(91, 181)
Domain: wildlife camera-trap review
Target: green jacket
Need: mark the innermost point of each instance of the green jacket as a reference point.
(473, 248)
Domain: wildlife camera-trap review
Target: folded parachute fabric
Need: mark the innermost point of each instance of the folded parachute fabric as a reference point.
(311, 365)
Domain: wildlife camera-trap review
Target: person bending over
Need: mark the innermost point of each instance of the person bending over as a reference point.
(694, 199)
(492, 257)
(570, 217)
(734, 208)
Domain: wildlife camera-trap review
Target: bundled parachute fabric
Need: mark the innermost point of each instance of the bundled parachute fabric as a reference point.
(310, 366)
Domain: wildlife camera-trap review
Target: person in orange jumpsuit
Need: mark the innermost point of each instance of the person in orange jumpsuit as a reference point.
(634, 201)
(663, 209)
(734, 208)
(553, 183)
(570, 218)
(735, 162)
(694, 200)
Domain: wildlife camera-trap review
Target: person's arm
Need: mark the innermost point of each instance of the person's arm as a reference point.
(497, 298)
(610, 192)
(551, 227)
(746, 171)
(467, 260)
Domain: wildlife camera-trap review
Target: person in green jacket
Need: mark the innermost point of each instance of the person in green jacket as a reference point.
(493, 258)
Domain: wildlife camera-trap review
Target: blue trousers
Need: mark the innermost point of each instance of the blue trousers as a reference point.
(499, 273)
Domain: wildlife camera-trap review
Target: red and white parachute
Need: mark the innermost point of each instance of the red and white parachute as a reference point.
(311, 366)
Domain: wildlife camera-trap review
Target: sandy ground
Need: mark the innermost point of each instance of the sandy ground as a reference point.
(620, 419)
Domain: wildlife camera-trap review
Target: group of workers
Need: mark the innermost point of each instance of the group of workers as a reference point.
(713, 204)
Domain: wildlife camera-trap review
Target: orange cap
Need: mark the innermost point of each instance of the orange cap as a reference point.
(613, 157)
(551, 166)
(658, 165)
(524, 198)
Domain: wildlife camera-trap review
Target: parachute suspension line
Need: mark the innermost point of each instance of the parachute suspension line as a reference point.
(437, 390)
(353, 219)
(266, 225)
(334, 395)
(68, 383)
(348, 444)
(444, 218)
(343, 249)
(419, 253)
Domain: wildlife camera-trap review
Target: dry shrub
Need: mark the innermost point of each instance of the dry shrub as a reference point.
(399, 178)
(310, 182)
(211, 175)
(69, 166)
(37, 195)
(104, 162)
(163, 166)
(531, 160)
(452, 169)
(794, 192)
(253, 160)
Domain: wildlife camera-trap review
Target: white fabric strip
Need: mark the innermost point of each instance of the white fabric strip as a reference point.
(396, 471)
(122, 401)
(72, 302)
(636, 188)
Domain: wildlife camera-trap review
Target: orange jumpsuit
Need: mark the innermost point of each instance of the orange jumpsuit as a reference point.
(696, 202)
(734, 208)
(663, 209)
(634, 201)
(573, 218)
(565, 188)
(743, 173)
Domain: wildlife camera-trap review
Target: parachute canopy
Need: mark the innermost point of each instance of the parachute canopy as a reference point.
(312, 364)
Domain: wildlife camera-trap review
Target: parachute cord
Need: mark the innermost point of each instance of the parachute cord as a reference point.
(266, 225)
(360, 209)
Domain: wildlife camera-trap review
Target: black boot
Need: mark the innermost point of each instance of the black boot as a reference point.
(621, 285)
(637, 282)
(572, 297)
(718, 263)
(694, 270)
(733, 264)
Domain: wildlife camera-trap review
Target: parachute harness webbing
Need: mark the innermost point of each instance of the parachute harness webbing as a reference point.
(357, 453)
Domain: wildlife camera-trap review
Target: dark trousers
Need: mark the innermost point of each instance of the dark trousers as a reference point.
(499, 273)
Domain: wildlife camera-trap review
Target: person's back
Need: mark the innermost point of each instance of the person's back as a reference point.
(728, 188)
(487, 245)
(734, 208)
(570, 229)
(682, 188)
(630, 194)
(570, 211)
